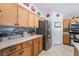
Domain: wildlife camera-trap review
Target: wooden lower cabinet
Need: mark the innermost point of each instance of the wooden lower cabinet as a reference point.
(26, 51)
(40, 44)
(76, 52)
(18, 53)
(28, 48)
(0, 53)
(31, 50)
(10, 50)
(36, 50)
(66, 39)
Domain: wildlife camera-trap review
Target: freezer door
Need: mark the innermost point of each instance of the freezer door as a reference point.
(47, 44)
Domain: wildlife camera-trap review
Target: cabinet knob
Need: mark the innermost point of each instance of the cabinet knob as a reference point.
(16, 24)
(0, 12)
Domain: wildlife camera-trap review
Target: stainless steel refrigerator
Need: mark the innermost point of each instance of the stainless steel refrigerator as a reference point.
(45, 30)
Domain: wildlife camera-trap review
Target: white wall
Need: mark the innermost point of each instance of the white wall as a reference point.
(68, 9)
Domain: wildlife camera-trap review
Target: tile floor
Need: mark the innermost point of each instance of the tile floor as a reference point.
(59, 50)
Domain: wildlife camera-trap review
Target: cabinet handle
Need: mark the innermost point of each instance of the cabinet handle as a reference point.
(16, 24)
(13, 49)
(0, 10)
(22, 51)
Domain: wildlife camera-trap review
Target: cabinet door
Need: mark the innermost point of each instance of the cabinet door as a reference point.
(27, 51)
(66, 23)
(77, 20)
(31, 20)
(66, 39)
(22, 17)
(36, 21)
(76, 52)
(10, 50)
(73, 20)
(36, 47)
(40, 44)
(18, 53)
(8, 14)
(0, 53)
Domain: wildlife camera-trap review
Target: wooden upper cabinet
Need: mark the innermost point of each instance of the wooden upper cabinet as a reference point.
(12, 14)
(77, 20)
(66, 23)
(73, 20)
(31, 20)
(22, 17)
(37, 18)
(36, 21)
(8, 14)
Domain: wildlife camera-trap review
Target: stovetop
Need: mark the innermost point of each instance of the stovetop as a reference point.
(74, 30)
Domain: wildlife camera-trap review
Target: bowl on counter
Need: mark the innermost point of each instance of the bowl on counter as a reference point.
(25, 34)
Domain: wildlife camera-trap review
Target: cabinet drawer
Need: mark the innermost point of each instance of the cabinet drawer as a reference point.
(36, 40)
(26, 51)
(11, 49)
(18, 53)
(27, 43)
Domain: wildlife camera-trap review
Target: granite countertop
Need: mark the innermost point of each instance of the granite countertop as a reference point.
(12, 42)
(76, 45)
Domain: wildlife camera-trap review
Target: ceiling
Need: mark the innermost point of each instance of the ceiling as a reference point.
(68, 9)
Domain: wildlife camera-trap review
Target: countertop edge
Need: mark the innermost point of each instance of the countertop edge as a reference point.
(13, 42)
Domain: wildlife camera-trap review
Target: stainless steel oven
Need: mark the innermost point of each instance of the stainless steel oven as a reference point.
(74, 32)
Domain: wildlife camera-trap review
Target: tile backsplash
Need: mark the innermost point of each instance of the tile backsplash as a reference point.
(4, 31)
